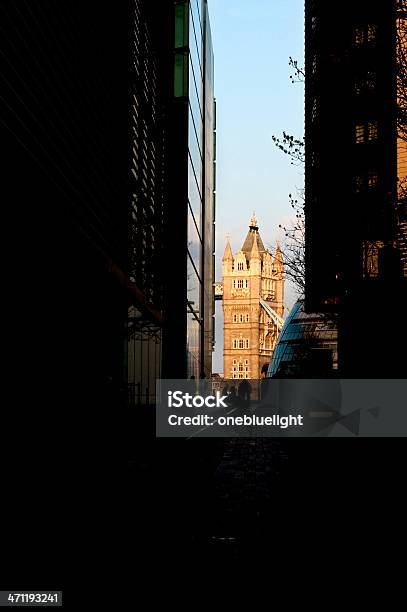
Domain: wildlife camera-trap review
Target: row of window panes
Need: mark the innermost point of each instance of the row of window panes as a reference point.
(194, 240)
(366, 131)
(195, 97)
(366, 182)
(194, 149)
(365, 34)
(181, 25)
(196, 8)
(246, 362)
(195, 43)
(240, 318)
(194, 195)
(181, 74)
(240, 375)
(240, 343)
(365, 83)
(193, 287)
(240, 265)
(362, 84)
(240, 368)
(240, 283)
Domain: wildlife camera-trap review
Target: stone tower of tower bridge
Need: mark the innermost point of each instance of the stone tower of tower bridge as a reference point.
(252, 291)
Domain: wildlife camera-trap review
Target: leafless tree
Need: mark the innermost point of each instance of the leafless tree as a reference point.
(293, 147)
(299, 71)
(293, 246)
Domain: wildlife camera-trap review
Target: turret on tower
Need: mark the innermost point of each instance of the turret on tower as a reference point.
(227, 259)
(278, 272)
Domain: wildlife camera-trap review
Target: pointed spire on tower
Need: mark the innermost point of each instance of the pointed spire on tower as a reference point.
(278, 259)
(255, 253)
(252, 236)
(253, 222)
(228, 255)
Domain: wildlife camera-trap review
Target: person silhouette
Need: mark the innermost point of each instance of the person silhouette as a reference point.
(244, 392)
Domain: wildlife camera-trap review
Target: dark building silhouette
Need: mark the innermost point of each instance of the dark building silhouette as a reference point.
(96, 130)
(353, 256)
(64, 190)
(150, 85)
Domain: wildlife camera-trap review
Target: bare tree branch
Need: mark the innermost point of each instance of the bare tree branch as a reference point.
(299, 72)
(293, 147)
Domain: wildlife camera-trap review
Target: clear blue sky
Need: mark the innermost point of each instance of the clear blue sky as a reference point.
(252, 42)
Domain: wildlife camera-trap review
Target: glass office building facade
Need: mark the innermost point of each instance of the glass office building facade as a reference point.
(194, 87)
(171, 222)
(307, 346)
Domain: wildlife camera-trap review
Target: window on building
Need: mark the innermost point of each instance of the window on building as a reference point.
(366, 131)
(371, 80)
(371, 33)
(372, 180)
(364, 34)
(240, 265)
(241, 343)
(360, 133)
(247, 284)
(366, 83)
(314, 110)
(240, 283)
(358, 36)
(235, 318)
(247, 318)
(247, 344)
(246, 361)
(370, 258)
(363, 182)
(372, 131)
(235, 344)
(234, 362)
(181, 25)
(240, 367)
(358, 183)
(241, 318)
